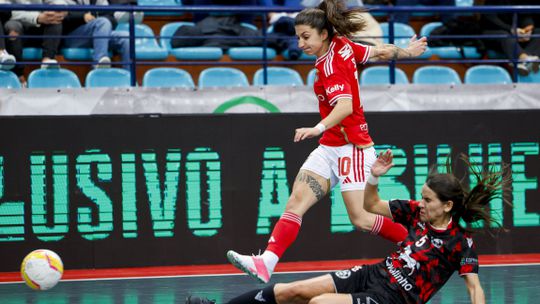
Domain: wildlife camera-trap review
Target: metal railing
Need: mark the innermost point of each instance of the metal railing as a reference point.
(262, 12)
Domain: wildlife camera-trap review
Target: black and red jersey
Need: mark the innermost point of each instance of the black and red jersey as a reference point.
(428, 256)
(337, 77)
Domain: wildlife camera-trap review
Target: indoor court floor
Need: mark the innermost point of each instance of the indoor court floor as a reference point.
(517, 284)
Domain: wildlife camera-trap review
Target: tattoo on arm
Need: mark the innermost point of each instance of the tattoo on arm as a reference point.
(312, 183)
(397, 52)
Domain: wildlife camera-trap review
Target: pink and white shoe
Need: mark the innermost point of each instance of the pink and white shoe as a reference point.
(253, 265)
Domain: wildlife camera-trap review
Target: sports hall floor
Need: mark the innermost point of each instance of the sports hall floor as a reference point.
(503, 282)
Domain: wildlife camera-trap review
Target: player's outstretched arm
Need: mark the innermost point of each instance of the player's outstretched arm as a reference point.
(342, 109)
(372, 201)
(474, 288)
(387, 52)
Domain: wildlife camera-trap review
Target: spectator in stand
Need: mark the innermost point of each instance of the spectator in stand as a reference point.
(283, 23)
(123, 17)
(404, 17)
(46, 23)
(92, 24)
(7, 61)
(248, 18)
(527, 49)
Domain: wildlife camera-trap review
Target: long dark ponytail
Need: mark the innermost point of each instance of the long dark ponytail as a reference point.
(332, 15)
(471, 205)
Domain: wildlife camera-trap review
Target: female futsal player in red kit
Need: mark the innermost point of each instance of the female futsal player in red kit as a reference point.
(346, 151)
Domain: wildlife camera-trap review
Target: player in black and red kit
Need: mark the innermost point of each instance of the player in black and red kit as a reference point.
(346, 152)
(436, 246)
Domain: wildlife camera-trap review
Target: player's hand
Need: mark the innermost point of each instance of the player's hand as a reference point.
(304, 133)
(383, 163)
(417, 47)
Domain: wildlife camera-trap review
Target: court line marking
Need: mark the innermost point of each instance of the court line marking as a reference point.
(232, 274)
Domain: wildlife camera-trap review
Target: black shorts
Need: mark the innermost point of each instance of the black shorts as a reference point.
(367, 284)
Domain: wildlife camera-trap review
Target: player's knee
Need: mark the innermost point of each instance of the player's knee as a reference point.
(362, 223)
(292, 292)
(296, 203)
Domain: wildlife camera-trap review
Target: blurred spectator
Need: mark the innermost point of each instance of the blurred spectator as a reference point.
(248, 18)
(123, 17)
(527, 49)
(91, 24)
(283, 25)
(404, 17)
(213, 28)
(7, 61)
(46, 23)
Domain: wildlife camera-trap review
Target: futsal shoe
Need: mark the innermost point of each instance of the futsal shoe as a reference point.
(197, 300)
(252, 265)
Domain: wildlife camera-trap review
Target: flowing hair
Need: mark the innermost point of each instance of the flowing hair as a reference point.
(471, 205)
(333, 16)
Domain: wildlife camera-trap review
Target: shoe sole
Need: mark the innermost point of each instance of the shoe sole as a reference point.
(237, 264)
(7, 64)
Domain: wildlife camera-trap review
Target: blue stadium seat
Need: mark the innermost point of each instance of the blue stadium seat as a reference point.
(381, 75)
(8, 80)
(402, 36)
(448, 52)
(79, 53)
(436, 75)
(304, 56)
(250, 52)
(146, 48)
(160, 3)
(278, 76)
(492, 54)
(32, 53)
(222, 77)
(531, 78)
(167, 78)
(187, 53)
(311, 77)
(108, 78)
(53, 78)
(487, 74)
(464, 2)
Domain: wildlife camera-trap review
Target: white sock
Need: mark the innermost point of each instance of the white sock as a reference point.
(270, 260)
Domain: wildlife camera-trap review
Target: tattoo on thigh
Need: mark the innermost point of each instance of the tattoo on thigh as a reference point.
(312, 183)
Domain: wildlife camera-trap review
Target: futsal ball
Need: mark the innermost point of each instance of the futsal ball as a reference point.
(42, 269)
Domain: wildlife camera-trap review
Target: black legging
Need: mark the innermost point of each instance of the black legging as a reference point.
(49, 45)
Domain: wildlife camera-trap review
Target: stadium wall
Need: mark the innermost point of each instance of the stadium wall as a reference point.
(146, 190)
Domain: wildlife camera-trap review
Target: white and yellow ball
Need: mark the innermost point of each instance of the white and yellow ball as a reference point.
(42, 269)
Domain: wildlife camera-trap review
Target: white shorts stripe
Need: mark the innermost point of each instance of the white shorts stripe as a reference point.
(324, 161)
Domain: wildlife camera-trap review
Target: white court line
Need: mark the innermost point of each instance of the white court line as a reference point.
(233, 274)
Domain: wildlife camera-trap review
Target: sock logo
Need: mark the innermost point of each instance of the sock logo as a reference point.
(259, 297)
(272, 239)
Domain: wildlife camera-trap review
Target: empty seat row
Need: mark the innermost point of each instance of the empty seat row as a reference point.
(157, 77)
(231, 77)
(480, 74)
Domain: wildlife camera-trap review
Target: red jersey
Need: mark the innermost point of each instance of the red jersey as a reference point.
(337, 77)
